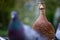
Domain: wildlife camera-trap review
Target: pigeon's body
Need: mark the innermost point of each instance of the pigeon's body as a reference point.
(15, 29)
(58, 32)
(32, 34)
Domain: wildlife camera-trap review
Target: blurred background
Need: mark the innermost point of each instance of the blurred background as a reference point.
(28, 12)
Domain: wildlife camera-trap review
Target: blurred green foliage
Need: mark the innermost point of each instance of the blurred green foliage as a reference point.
(50, 9)
(5, 7)
(25, 15)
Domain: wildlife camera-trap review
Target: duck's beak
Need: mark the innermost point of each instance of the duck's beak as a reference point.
(41, 6)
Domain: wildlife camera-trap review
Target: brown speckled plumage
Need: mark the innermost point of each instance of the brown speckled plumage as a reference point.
(44, 27)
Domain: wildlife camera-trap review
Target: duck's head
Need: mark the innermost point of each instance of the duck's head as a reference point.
(41, 5)
(42, 8)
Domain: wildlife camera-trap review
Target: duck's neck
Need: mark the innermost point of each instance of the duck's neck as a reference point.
(42, 13)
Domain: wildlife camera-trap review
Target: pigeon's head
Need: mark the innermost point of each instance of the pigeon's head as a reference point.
(13, 14)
